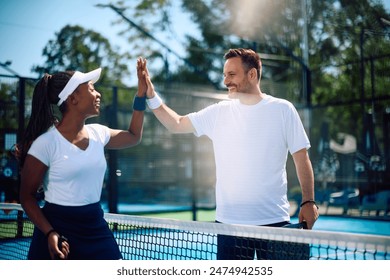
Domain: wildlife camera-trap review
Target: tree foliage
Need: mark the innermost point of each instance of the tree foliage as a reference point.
(348, 50)
(75, 48)
(272, 27)
(341, 34)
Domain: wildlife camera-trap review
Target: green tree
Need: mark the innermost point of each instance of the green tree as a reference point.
(343, 37)
(8, 101)
(272, 27)
(77, 48)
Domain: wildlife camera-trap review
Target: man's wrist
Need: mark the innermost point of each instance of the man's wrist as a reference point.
(309, 201)
(154, 102)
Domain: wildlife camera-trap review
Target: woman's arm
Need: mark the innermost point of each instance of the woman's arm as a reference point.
(121, 139)
(32, 175)
(127, 138)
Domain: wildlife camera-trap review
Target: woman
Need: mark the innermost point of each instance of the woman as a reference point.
(67, 157)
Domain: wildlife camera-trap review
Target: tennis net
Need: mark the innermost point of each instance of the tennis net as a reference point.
(146, 238)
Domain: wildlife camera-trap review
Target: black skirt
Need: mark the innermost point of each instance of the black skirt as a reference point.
(87, 231)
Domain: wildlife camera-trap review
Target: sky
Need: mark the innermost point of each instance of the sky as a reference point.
(26, 26)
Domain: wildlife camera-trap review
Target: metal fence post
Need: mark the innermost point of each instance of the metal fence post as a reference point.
(112, 158)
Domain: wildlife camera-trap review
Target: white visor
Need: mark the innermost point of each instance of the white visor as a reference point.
(77, 79)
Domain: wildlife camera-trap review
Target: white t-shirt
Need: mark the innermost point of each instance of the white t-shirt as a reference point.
(251, 145)
(75, 176)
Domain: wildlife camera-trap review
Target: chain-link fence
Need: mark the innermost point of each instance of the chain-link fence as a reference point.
(349, 137)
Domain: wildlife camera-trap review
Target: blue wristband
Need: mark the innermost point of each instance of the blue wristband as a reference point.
(139, 103)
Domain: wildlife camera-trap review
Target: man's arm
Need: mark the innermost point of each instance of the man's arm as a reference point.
(309, 211)
(174, 122)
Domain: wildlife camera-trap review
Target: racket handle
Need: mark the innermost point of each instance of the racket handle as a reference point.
(301, 225)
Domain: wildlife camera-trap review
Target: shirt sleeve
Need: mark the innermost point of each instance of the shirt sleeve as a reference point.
(102, 132)
(40, 149)
(204, 120)
(296, 135)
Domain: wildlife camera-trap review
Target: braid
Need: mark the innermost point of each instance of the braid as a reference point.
(42, 117)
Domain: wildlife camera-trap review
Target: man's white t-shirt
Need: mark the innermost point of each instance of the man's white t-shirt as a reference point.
(251, 145)
(75, 176)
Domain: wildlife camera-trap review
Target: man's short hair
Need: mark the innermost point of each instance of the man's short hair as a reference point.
(249, 58)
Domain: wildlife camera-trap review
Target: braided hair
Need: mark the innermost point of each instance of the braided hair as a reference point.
(42, 117)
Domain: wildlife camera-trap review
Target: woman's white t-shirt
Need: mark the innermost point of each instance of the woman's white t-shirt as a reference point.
(75, 176)
(251, 144)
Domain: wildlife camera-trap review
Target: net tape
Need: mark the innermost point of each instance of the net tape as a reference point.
(156, 238)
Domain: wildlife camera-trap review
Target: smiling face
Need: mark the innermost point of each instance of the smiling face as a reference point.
(236, 77)
(88, 100)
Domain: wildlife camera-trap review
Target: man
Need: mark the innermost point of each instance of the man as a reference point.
(252, 134)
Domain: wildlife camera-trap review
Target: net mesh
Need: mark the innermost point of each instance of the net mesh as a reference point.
(146, 238)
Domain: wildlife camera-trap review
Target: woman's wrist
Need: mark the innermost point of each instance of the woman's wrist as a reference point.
(139, 103)
(141, 94)
(50, 232)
